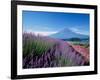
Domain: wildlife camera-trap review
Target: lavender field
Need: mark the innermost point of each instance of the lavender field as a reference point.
(43, 52)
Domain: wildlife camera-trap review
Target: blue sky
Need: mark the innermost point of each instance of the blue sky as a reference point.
(47, 23)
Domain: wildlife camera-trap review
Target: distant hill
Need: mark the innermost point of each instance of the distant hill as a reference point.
(67, 34)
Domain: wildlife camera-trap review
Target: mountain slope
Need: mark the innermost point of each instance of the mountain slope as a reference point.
(66, 34)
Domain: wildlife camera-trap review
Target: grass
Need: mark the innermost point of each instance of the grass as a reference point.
(38, 46)
(85, 45)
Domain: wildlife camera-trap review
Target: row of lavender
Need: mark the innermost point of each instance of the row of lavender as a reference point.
(42, 52)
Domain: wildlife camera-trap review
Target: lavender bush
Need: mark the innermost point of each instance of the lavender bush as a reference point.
(42, 52)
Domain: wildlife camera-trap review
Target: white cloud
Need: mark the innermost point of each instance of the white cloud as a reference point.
(43, 33)
(79, 31)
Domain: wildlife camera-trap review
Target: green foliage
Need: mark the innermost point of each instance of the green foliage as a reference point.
(38, 46)
(75, 39)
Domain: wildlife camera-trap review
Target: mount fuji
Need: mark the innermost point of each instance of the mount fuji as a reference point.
(67, 34)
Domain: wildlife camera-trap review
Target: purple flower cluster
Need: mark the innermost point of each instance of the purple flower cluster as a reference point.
(42, 52)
